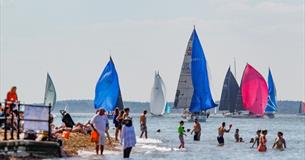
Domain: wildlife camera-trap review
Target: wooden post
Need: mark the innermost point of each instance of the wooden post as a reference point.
(5, 121)
(18, 121)
(49, 123)
(12, 120)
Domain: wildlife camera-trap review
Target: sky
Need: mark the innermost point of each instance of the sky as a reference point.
(73, 39)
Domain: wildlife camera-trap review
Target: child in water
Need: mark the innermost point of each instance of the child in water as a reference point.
(280, 142)
(181, 133)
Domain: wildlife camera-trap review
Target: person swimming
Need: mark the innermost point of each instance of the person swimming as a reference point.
(280, 142)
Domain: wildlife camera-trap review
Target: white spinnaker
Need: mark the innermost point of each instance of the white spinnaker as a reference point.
(157, 99)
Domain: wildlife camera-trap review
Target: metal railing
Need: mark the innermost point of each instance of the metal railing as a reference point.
(12, 110)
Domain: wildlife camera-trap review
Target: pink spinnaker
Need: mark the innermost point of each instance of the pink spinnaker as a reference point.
(254, 91)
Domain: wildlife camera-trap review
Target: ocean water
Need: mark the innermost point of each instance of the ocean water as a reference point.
(164, 145)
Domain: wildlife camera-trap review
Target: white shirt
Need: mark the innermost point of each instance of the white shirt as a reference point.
(99, 122)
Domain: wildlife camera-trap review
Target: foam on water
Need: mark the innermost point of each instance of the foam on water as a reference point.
(164, 145)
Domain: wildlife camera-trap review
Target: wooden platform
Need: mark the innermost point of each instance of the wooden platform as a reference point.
(37, 148)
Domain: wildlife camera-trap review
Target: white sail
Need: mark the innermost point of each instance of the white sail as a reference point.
(50, 92)
(158, 96)
(185, 88)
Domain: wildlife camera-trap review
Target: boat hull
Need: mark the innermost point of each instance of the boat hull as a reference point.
(270, 115)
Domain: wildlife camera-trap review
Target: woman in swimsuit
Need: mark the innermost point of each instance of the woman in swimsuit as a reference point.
(262, 142)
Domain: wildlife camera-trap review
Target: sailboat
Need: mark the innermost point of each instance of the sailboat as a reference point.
(254, 92)
(50, 93)
(107, 91)
(158, 96)
(230, 100)
(271, 104)
(193, 91)
(302, 108)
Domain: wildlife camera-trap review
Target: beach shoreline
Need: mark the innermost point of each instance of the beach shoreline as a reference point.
(72, 146)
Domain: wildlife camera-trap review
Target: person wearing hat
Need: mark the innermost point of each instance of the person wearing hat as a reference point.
(128, 137)
(99, 123)
(67, 119)
(196, 130)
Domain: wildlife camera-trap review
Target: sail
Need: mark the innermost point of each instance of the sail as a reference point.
(107, 90)
(271, 104)
(167, 108)
(254, 91)
(202, 98)
(158, 97)
(50, 92)
(229, 94)
(185, 88)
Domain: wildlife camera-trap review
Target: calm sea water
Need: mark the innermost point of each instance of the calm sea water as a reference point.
(164, 145)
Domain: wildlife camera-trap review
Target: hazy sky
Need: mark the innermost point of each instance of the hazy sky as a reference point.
(72, 40)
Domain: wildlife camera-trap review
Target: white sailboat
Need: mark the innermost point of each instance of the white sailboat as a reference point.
(158, 96)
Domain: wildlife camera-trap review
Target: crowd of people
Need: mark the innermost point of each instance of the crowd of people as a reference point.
(124, 133)
(260, 140)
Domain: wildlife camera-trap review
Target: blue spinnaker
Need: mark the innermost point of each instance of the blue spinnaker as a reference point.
(107, 89)
(202, 98)
(271, 104)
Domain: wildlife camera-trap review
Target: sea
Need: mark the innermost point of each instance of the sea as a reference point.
(164, 145)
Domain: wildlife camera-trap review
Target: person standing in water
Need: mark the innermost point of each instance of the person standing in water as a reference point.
(256, 141)
(262, 142)
(181, 133)
(128, 137)
(196, 130)
(280, 142)
(126, 113)
(221, 131)
(99, 123)
(117, 123)
(143, 124)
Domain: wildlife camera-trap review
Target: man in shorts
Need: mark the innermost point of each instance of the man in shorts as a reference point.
(221, 132)
(143, 124)
(99, 123)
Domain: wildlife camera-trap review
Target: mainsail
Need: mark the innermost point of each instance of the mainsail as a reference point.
(254, 91)
(158, 96)
(185, 88)
(271, 104)
(230, 96)
(202, 98)
(107, 91)
(50, 92)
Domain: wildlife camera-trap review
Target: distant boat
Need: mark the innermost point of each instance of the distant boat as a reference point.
(302, 108)
(272, 102)
(230, 100)
(254, 91)
(158, 96)
(167, 108)
(107, 90)
(50, 93)
(193, 91)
